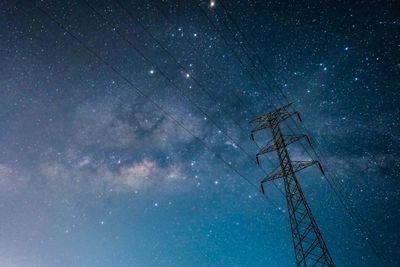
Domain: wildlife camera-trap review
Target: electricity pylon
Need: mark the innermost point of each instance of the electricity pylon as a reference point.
(309, 246)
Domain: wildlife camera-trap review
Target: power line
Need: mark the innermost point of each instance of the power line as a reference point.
(236, 55)
(251, 48)
(258, 85)
(169, 80)
(239, 60)
(332, 183)
(158, 106)
(192, 77)
(194, 47)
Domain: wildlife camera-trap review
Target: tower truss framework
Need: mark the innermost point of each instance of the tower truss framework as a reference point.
(309, 245)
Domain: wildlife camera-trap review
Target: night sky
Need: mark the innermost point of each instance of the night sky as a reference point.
(125, 135)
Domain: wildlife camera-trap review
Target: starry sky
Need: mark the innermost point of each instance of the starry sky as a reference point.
(124, 130)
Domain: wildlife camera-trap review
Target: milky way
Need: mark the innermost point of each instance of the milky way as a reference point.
(125, 135)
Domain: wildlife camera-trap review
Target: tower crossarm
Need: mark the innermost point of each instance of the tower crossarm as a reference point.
(289, 139)
(271, 119)
(296, 167)
(267, 117)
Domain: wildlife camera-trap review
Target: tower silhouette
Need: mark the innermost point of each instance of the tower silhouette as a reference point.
(309, 246)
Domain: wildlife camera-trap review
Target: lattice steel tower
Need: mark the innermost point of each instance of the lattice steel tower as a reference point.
(309, 246)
